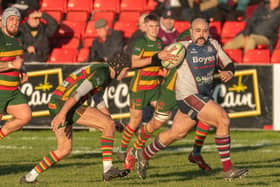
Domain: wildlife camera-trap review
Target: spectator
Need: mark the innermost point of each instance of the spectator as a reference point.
(180, 8)
(261, 28)
(36, 36)
(188, 9)
(229, 10)
(167, 31)
(26, 6)
(107, 43)
(140, 32)
(202, 8)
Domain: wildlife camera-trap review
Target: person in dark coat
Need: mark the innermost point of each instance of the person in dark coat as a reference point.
(108, 42)
(261, 28)
(36, 36)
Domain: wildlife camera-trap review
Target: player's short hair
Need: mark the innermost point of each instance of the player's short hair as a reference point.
(151, 17)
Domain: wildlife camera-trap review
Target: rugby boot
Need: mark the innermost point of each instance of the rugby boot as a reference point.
(114, 173)
(197, 159)
(142, 164)
(23, 180)
(234, 173)
(129, 160)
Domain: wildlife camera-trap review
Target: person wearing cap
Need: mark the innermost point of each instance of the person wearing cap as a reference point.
(167, 31)
(66, 108)
(12, 101)
(36, 36)
(107, 43)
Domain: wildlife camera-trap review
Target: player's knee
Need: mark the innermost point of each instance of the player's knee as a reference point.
(27, 118)
(65, 151)
(224, 121)
(109, 126)
(134, 121)
(24, 119)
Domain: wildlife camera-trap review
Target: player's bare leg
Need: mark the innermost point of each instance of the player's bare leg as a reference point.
(21, 114)
(129, 130)
(64, 148)
(214, 115)
(195, 156)
(105, 124)
(91, 118)
(182, 124)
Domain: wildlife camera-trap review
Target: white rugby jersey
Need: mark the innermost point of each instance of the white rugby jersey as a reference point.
(196, 74)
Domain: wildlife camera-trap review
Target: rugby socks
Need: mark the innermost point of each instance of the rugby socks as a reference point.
(153, 148)
(200, 135)
(142, 138)
(223, 147)
(107, 149)
(48, 161)
(2, 135)
(126, 137)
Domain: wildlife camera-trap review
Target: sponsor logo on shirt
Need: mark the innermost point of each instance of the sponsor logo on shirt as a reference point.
(204, 60)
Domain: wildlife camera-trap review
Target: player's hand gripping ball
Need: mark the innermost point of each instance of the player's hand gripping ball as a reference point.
(177, 55)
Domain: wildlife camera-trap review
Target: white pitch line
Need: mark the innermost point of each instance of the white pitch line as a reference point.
(93, 150)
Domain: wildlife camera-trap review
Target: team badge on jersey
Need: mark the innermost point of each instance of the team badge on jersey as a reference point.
(210, 49)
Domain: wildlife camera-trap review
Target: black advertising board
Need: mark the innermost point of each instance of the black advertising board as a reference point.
(247, 98)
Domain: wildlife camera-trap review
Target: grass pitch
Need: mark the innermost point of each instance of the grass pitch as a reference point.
(256, 150)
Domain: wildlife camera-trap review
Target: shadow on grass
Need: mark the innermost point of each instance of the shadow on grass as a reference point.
(18, 168)
(86, 156)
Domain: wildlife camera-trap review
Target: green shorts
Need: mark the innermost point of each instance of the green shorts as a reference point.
(72, 116)
(139, 100)
(166, 101)
(15, 98)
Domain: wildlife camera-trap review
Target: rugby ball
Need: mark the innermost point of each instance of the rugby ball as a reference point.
(177, 55)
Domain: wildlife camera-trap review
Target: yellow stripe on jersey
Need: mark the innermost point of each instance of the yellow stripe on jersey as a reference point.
(73, 76)
(134, 87)
(11, 53)
(171, 85)
(9, 83)
(68, 92)
(148, 83)
(141, 52)
(151, 69)
(149, 53)
(87, 70)
(61, 88)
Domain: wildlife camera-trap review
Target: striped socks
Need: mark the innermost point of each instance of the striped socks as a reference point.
(142, 137)
(200, 135)
(43, 165)
(48, 161)
(2, 135)
(126, 137)
(107, 149)
(223, 147)
(153, 148)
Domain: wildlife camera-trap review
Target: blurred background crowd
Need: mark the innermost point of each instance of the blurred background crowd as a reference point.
(69, 31)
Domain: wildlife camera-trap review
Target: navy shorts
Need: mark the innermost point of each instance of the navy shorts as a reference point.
(192, 104)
